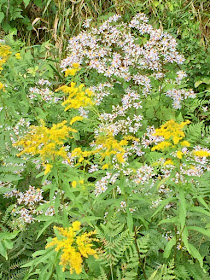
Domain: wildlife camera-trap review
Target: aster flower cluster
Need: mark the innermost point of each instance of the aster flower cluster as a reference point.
(116, 50)
(102, 185)
(27, 203)
(42, 92)
(27, 207)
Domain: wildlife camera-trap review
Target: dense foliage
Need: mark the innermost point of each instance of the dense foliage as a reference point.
(104, 154)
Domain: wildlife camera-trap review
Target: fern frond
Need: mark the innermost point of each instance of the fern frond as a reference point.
(102, 276)
(196, 272)
(164, 272)
(115, 240)
(181, 272)
(194, 132)
(143, 243)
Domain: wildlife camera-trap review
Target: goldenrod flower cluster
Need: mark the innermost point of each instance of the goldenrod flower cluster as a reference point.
(77, 96)
(109, 146)
(5, 52)
(106, 146)
(201, 153)
(18, 56)
(170, 131)
(73, 246)
(173, 132)
(2, 86)
(46, 142)
(72, 71)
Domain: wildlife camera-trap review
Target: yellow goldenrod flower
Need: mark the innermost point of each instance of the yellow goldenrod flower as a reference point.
(48, 168)
(46, 142)
(105, 166)
(73, 246)
(161, 146)
(5, 52)
(168, 162)
(201, 153)
(18, 56)
(172, 130)
(2, 87)
(76, 119)
(76, 65)
(76, 225)
(185, 143)
(77, 96)
(179, 154)
(109, 146)
(72, 71)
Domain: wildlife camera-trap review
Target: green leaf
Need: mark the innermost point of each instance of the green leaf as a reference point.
(194, 252)
(199, 210)
(169, 247)
(3, 250)
(163, 204)
(199, 229)
(129, 220)
(26, 2)
(169, 221)
(182, 209)
(8, 244)
(198, 83)
(185, 238)
(1, 16)
(46, 225)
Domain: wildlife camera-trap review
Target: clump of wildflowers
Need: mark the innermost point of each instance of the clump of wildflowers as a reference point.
(5, 52)
(2, 87)
(77, 96)
(46, 142)
(171, 132)
(72, 71)
(134, 52)
(74, 246)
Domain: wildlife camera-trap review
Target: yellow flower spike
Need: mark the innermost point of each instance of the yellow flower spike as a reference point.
(4, 54)
(74, 184)
(75, 65)
(2, 87)
(48, 168)
(105, 166)
(185, 144)
(76, 225)
(46, 142)
(161, 146)
(168, 162)
(201, 153)
(179, 154)
(76, 119)
(171, 131)
(70, 72)
(73, 247)
(18, 56)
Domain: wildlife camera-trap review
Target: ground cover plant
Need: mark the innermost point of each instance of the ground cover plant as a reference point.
(104, 156)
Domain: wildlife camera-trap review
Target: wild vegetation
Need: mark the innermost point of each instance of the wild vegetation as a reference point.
(104, 140)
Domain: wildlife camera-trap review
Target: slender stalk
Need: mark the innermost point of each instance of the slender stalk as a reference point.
(140, 260)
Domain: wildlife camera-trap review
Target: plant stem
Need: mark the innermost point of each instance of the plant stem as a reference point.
(140, 260)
